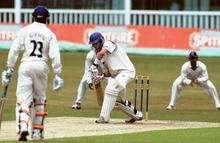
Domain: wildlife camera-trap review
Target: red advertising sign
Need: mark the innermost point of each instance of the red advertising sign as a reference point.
(132, 36)
(119, 34)
(72, 33)
(163, 37)
(8, 32)
(204, 39)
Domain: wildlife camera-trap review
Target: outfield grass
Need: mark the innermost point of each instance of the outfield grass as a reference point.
(194, 104)
(205, 135)
(210, 135)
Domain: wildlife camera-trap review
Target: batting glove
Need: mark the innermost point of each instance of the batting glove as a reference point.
(97, 62)
(57, 83)
(6, 76)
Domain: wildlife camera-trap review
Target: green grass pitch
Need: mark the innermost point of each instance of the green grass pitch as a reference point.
(194, 104)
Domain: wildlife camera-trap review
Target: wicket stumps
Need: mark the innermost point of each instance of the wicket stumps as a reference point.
(142, 85)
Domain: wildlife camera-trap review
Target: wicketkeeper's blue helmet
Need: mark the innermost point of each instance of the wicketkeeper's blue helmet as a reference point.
(193, 55)
(95, 38)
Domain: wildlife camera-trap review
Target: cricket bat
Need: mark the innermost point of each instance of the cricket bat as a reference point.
(2, 102)
(99, 93)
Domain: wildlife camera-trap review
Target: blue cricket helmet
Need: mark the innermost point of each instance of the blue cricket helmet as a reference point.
(95, 38)
(41, 12)
(193, 55)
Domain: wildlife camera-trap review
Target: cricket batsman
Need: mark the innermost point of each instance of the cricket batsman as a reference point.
(38, 44)
(193, 72)
(110, 55)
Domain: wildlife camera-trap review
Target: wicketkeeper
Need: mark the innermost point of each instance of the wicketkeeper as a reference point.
(87, 81)
(38, 44)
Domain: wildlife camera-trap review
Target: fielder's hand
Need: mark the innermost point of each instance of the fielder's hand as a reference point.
(57, 83)
(195, 81)
(6, 76)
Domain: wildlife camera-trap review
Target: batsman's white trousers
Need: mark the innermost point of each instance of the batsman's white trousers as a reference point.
(32, 84)
(115, 86)
(208, 86)
(32, 81)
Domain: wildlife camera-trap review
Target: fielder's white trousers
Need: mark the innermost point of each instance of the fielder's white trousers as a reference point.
(208, 86)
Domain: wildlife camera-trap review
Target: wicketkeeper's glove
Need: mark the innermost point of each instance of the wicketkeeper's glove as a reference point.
(57, 83)
(6, 76)
(94, 70)
(96, 75)
(97, 79)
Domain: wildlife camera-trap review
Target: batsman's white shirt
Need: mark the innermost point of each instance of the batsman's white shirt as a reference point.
(37, 43)
(116, 59)
(188, 74)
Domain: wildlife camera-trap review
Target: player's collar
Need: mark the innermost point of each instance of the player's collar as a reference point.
(197, 64)
(38, 23)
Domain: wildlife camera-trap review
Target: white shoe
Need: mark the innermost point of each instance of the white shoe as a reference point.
(77, 106)
(170, 107)
(101, 120)
(37, 134)
(139, 115)
(218, 108)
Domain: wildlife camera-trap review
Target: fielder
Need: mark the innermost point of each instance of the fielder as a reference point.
(37, 43)
(193, 72)
(111, 56)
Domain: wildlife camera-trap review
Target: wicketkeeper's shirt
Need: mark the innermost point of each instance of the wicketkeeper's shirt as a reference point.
(90, 58)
